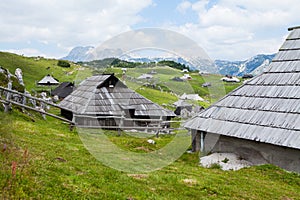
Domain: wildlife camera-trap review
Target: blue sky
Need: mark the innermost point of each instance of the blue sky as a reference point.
(225, 29)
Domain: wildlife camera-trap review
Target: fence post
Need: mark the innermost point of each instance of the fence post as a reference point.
(121, 124)
(24, 100)
(8, 105)
(159, 125)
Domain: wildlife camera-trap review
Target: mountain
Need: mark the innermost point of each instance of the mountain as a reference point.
(79, 54)
(254, 65)
(87, 54)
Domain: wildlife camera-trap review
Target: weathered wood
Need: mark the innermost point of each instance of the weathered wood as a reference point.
(195, 140)
(31, 97)
(37, 110)
(130, 127)
(124, 118)
(4, 102)
(7, 106)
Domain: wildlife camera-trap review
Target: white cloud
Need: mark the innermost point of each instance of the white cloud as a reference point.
(230, 29)
(67, 22)
(183, 6)
(238, 29)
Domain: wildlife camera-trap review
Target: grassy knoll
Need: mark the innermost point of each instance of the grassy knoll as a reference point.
(34, 69)
(52, 163)
(163, 78)
(43, 159)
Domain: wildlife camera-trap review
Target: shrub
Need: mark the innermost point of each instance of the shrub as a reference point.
(63, 63)
(225, 160)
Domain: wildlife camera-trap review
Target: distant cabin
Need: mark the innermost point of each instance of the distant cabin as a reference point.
(145, 76)
(180, 105)
(185, 71)
(103, 101)
(259, 121)
(178, 79)
(230, 79)
(152, 72)
(63, 90)
(48, 80)
(207, 84)
(247, 76)
(194, 97)
(186, 77)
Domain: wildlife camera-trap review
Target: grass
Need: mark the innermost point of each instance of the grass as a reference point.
(163, 79)
(34, 69)
(43, 159)
(53, 163)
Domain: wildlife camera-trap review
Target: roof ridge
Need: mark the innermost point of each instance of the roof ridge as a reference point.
(294, 27)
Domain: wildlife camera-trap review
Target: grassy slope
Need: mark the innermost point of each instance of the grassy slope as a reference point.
(165, 74)
(34, 70)
(52, 163)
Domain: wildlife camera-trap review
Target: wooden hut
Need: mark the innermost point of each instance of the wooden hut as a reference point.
(259, 121)
(182, 104)
(104, 101)
(48, 80)
(63, 90)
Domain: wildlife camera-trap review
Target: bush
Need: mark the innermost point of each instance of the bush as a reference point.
(225, 160)
(63, 63)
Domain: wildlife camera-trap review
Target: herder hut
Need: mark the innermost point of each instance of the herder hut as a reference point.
(63, 90)
(48, 80)
(259, 121)
(180, 105)
(194, 97)
(105, 102)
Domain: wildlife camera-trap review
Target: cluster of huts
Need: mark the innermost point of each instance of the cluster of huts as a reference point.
(259, 121)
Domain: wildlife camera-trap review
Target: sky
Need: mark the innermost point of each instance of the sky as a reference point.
(225, 29)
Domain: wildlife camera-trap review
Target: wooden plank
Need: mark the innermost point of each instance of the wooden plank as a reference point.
(4, 102)
(120, 117)
(129, 127)
(42, 112)
(31, 97)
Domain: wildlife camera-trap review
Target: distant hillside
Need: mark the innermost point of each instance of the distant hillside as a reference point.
(35, 68)
(254, 65)
(116, 62)
(84, 54)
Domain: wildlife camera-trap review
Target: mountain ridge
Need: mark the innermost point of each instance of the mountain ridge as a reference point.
(254, 65)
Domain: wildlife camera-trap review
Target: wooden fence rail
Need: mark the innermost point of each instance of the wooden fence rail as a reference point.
(30, 97)
(7, 100)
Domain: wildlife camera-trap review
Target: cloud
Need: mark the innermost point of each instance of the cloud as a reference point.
(183, 6)
(68, 22)
(230, 29)
(238, 29)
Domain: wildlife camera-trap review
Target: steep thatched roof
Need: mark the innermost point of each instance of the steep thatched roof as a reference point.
(265, 109)
(106, 95)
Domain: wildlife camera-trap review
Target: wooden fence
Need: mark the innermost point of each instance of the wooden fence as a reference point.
(7, 100)
(6, 97)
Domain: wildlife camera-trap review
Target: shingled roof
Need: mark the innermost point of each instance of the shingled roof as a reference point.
(106, 95)
(48, 80)
(63, 90)
(265, 109)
